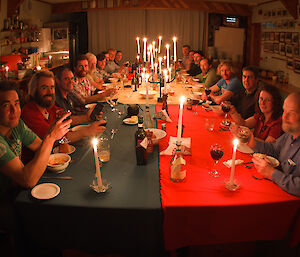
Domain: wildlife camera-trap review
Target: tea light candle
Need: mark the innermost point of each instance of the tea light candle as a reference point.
(98, 174)
(179, 130)
(235, 144)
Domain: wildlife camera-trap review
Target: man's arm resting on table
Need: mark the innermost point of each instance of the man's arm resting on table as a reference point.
(224, 97)
(27, 176)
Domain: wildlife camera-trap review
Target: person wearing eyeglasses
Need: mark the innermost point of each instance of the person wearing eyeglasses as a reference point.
(267, 121)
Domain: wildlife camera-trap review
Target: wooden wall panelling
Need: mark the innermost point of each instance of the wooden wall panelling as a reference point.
(253, 43)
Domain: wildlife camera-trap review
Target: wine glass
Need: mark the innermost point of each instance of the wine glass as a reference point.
(216, 152)
(225, 108)
(59, 114)
(195, 103)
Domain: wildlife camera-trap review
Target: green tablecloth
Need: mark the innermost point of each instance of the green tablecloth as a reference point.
(127, 218)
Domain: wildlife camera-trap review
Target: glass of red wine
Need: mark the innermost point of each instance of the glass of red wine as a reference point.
(225, 108)
(195, 103)
(216, 152)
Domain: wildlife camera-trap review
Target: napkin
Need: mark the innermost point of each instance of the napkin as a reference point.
(162, 115)
(229, 162)
(185, 146)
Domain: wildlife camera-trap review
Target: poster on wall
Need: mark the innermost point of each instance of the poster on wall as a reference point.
(290, 64)
(282, 37)
(297, 66)
(276, 48)
(296, 54)
(277, 36)
(295, 38)
(288, 37)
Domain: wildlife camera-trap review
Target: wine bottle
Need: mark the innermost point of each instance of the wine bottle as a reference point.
(133, 82)
(177, 166)
(141, 144)
(165, 102)
(150, 142)
(148, 121)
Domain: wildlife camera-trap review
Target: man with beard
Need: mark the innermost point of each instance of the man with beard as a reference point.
(111, 66)
(185, 55)
(83, 90)
(286, 149)
(195, 65)
(228, 85)
(40, 112)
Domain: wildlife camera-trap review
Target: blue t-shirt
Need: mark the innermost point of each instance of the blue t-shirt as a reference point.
(234, 85)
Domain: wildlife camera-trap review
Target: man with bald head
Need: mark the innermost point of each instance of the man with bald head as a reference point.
(286, 149)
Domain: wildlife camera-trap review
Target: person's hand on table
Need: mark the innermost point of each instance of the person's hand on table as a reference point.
(96, 128)
(263, 167)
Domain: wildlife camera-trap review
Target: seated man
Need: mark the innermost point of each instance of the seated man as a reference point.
(93, 74)
(286, 149)
(111, 66)
(229, 84)
(246, 100)
(40, 112)
(208, 77)
(14, 134)
(118, 58)
(195, 65)
(185, 58)
(101, 67)
(64, 85)
(83, 90)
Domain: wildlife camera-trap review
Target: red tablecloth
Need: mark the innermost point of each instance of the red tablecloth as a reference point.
(200, 210)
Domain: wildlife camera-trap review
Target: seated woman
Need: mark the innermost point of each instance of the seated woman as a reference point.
(266, 122)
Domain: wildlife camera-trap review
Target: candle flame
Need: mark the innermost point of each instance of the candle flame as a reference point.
(50, 57)
(174, 38)
(38, 68)
(95, 142)
(159, 37)
(145, 39)
(6, 68)
(167, 45)
(235, 142)
(137, 38)
(182, 99)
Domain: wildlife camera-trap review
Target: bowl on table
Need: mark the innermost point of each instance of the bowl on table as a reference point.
(58, 162)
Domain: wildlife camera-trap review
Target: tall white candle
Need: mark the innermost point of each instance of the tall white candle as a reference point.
(151, 54)
(170, 73)
(159, 61)
(159, 44)
(148, 53)
(98, 174)
(6, 71)
(145, 49)
(235, 144)
(147, 93)
(138, 58)
(179, 129)
(155, 68)
(175, 54)
(168, 55)
(138, 45)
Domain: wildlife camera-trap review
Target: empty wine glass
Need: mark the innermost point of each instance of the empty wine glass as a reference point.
(216, 152)
(195, 103)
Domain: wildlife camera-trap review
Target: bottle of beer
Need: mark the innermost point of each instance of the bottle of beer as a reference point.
(141, 144)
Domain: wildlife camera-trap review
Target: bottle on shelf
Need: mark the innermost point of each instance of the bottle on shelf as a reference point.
(141, 144)
(177, 166)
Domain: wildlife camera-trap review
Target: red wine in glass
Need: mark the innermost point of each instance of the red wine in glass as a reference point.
(216, 152)
(225, 108)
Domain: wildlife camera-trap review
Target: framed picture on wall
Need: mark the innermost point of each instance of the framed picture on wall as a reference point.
(295, 38)
(263, 36)
(276, 48)
(272, 36)
(290, 64)
(282, 48)
(296, 53)
(297, 66)
(289, 50)
(282, 37)
(276, 36)
(288, 37)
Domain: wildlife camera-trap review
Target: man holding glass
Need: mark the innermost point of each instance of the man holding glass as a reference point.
(286, 149)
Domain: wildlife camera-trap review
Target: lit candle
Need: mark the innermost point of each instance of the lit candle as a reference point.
(98, 174)
(6, 71)
(38, 68)
(145, 49)
(174, 40)
(159, 43)
(168, 55)
(147, 93)
(138, 58)
(50, 58)
(138, 45)
(179, 130)
(235, 144)
(170, 72)
(151, 54)
(166, 75)
(153, 48)
(159, 61)
(155, 68)
(148, 53)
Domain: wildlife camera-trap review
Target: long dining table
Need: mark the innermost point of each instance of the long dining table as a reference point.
(145, 212)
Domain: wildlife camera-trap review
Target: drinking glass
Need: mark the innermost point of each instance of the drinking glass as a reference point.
(225, 108)
(59, 114)
(195, 103)
(216, 152)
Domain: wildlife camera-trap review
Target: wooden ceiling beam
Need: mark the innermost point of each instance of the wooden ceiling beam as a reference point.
(207, 6)
(291, 6)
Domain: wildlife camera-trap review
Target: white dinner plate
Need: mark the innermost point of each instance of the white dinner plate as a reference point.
(72, 149)
(126, 121)
(243, 148)
(45, 191)
(273, 161)
(78, 127)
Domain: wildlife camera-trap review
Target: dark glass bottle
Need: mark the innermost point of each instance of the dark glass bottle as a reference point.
(165, 102)
(134, 82)
(141, 144)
